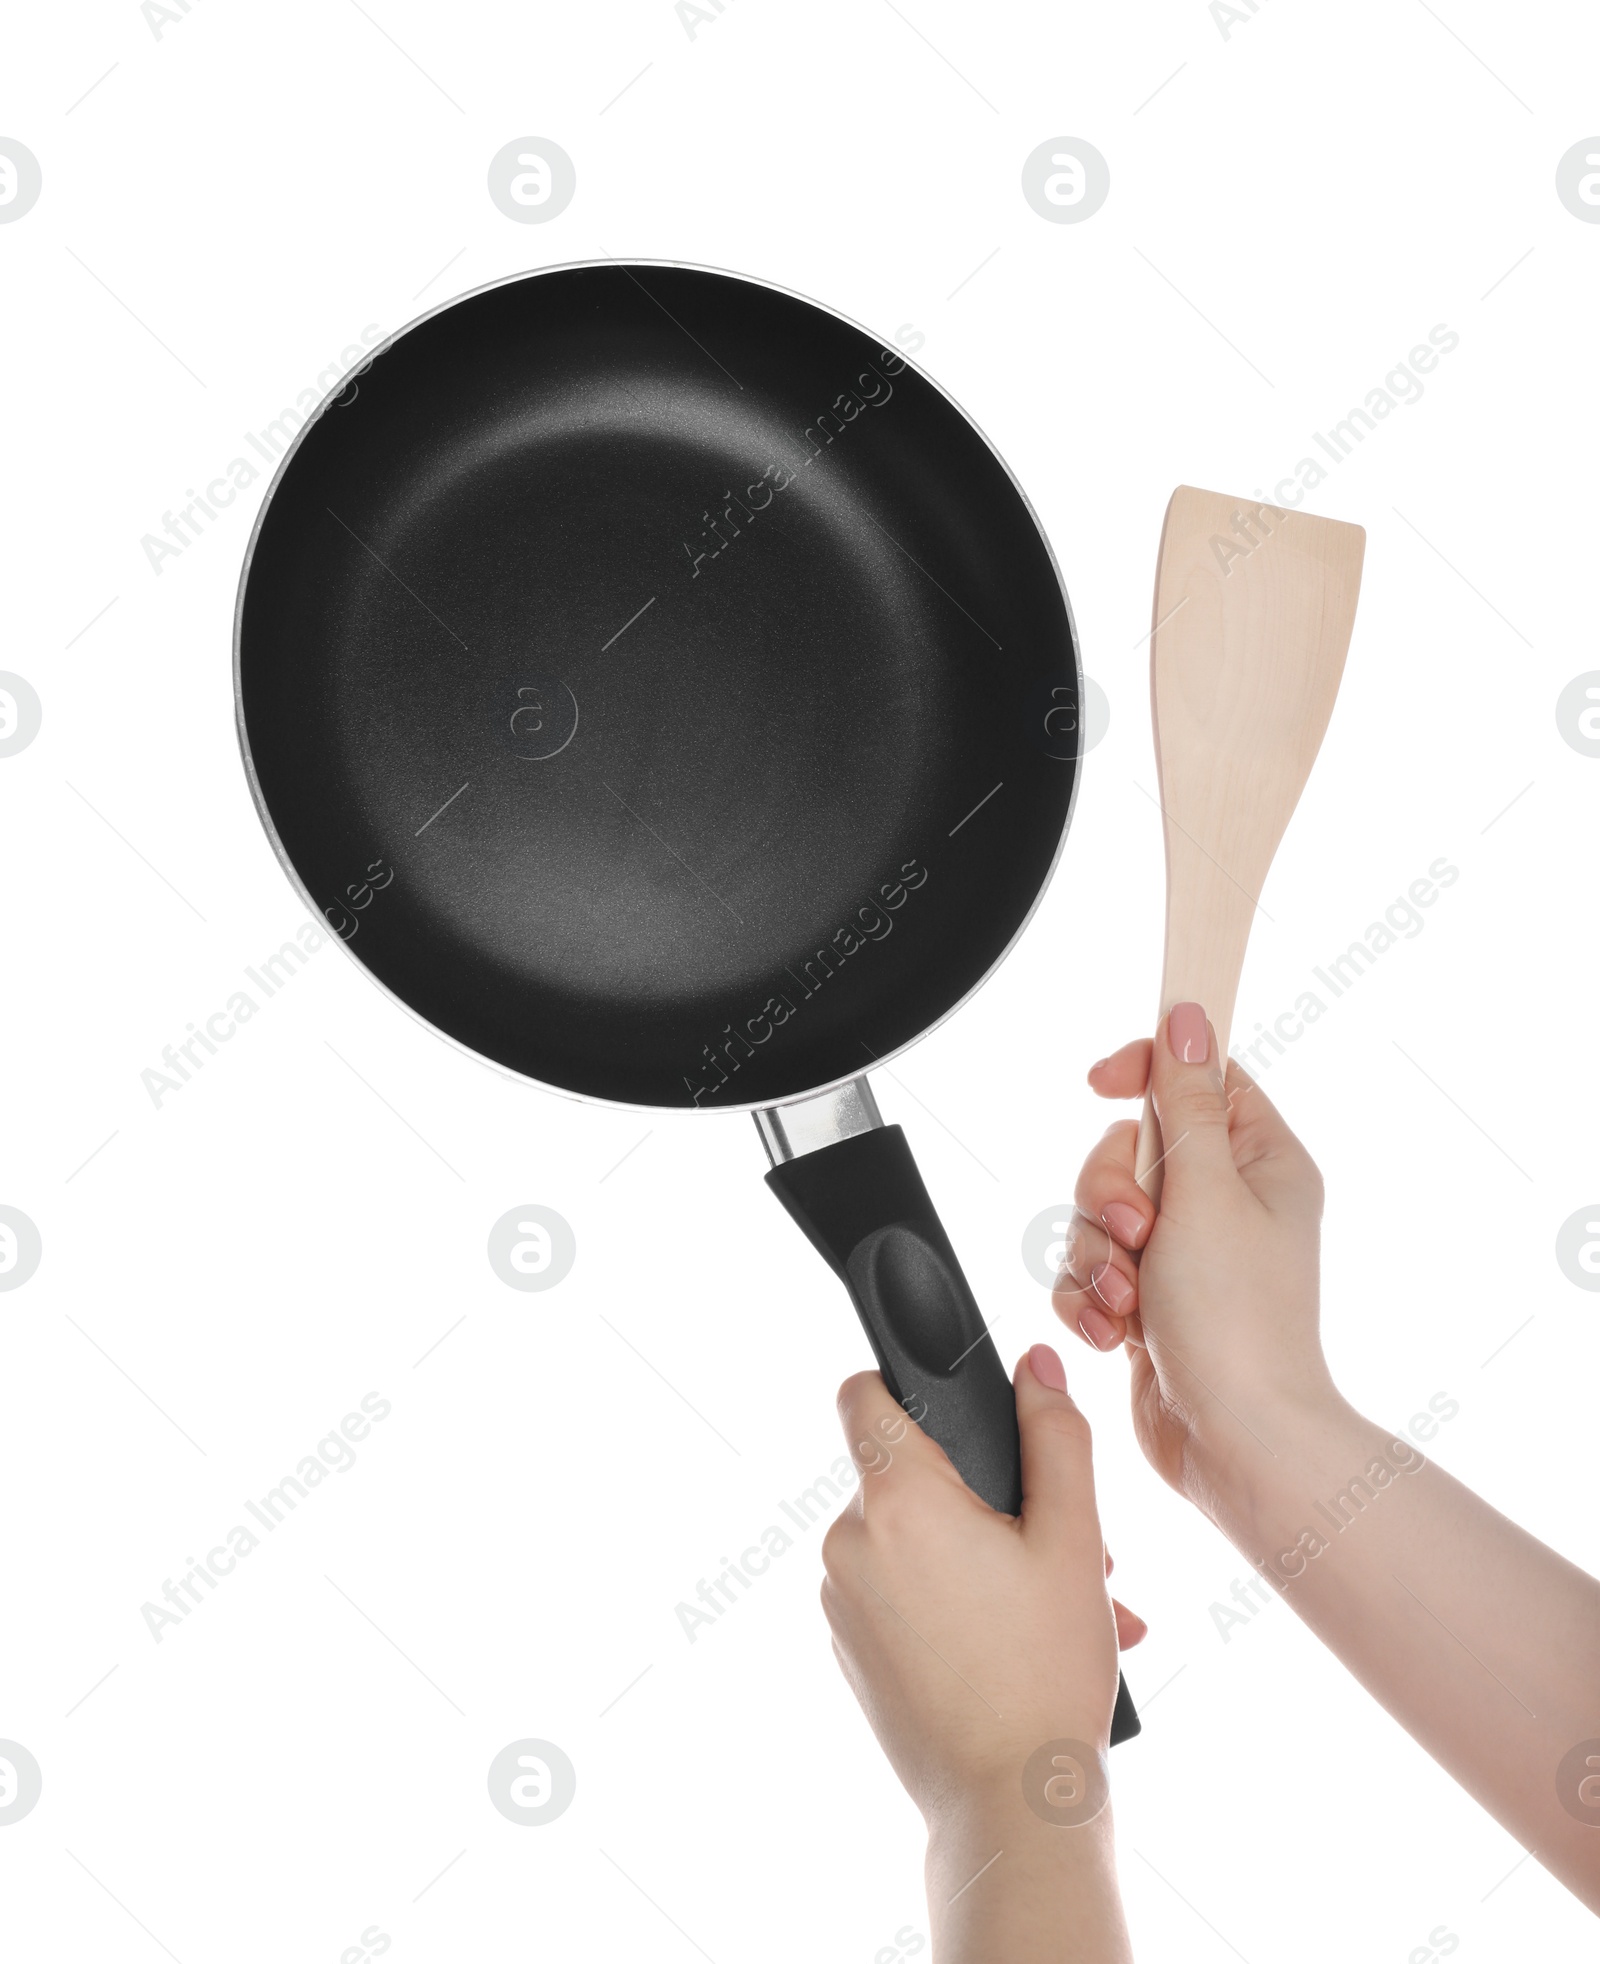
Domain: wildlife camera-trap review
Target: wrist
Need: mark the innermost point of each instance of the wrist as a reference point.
(1240, 1455)
(1266, 1500)
(1002, 1881)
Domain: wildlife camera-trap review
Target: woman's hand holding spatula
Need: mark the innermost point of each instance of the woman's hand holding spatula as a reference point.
(1480, 1640)
(1226, 1270)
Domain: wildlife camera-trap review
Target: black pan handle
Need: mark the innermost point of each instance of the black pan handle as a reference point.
(862, 1205)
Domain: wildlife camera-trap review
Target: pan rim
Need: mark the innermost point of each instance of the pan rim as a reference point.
(319, 918)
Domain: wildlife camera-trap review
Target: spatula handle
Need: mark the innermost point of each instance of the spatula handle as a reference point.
(1147, 1154)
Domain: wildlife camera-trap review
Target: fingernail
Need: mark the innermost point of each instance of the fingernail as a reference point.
(1047, 1367)
(1112, 1287)
(1099, 1064)
(1123, 1223)
(1186, 1033)
(1098, 1328)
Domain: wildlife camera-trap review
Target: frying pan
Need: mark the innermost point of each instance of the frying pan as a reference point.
(667, 694)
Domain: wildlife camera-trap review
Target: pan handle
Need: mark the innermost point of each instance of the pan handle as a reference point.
(861, 1203)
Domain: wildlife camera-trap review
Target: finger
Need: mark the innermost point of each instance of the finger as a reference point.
(1057, 1465)
(1131, 1629)
(1107, 1191)
(879, 1433)
(1098, 1286)
(1124, 1073)
(1087, 1251)
(1192, 1105)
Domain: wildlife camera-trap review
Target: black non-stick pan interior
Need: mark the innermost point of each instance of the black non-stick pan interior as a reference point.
(692, 665)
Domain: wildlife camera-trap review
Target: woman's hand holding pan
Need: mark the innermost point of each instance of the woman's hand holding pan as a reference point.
(983, 1650)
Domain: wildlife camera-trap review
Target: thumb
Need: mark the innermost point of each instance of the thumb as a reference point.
(1186, 1084)
(1057, 1461)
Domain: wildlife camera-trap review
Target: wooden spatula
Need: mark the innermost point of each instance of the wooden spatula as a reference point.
(1253, 612)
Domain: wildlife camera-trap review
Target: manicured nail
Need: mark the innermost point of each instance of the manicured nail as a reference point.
(1112, 1287)
(1098, 1328)
(1047, 1367)
(1123, 1223)
(1187, 1036)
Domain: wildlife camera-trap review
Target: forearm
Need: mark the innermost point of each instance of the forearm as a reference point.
(1005, 1887)
(1480, 1640)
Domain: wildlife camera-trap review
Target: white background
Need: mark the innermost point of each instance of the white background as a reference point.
(228, 1275)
